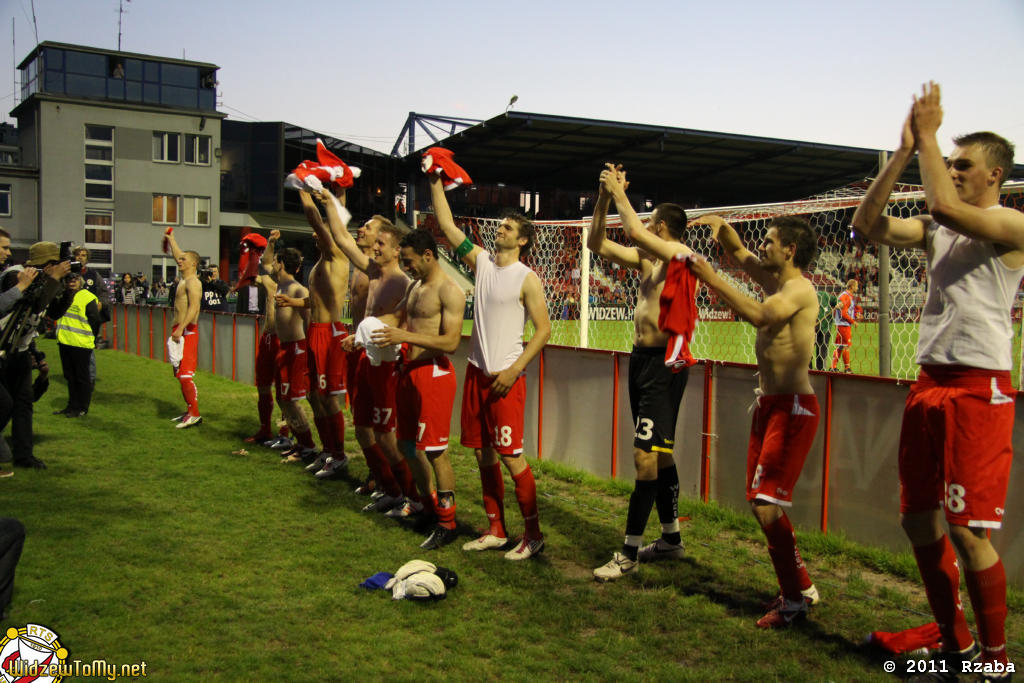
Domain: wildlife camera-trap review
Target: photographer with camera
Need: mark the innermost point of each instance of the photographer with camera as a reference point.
(19, 330)
(215, 290)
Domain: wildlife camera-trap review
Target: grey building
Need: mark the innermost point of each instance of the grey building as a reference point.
(112, 148)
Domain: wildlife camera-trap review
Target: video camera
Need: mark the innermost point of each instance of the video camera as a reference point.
(65, 255)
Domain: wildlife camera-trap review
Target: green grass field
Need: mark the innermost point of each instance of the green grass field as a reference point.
(147, 543)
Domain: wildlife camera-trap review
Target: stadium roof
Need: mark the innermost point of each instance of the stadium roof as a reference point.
(692, 167)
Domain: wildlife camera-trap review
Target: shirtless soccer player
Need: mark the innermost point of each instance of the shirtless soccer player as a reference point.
(955, 443)
(494, 390)
(183, 346)
(655, 389)
(266, 362)
(328, 285)
(433, 313)
(292, 365)
(374, 411)
(786, 414)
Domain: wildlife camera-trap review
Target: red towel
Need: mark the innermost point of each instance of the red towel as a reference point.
(166, 245)
(925, 636)
(678, 314)
(439, 161)
(251, 250)
(327, 169)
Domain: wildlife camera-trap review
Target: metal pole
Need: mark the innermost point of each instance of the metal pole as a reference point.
(584, 290)
(884, 302)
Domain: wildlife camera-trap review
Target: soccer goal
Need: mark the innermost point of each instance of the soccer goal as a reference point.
(591, 301)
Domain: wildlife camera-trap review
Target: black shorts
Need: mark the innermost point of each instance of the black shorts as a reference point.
(654, 396)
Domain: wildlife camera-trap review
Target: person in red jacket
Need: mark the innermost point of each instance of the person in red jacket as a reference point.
(845, 314)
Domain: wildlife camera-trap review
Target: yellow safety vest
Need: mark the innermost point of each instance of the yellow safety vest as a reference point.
(73, 329)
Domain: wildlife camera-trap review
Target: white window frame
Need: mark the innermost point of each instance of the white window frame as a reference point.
(192, 144)
(91, 142)
(165, 138)
(177, 204)
(190, 211)
(8, 190)
(95, 247)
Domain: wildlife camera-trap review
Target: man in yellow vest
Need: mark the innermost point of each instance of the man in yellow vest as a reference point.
(76, 342)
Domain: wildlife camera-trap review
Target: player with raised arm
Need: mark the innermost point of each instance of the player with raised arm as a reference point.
(266, 360)
(374, 408)
(955, 446)
(292, 377)
(494, 389)
(786, 410)
(328, 285)
(655, 388)
(432, 321)
(183, 344)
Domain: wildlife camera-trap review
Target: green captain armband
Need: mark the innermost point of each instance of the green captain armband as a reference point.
(463, 249)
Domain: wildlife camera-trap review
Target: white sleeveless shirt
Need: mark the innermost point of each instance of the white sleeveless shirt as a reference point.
(498, 315)
(966, 317)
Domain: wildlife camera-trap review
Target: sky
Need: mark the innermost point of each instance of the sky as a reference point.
(829, 72)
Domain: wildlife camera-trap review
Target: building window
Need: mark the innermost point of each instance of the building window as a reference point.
(165, 147)
(99, 162)
(99, 133)
(5, 199)
(197, 211)
(165, 208)
(99, 239)
(197, 149)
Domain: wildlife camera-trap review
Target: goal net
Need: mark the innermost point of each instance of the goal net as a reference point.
(591, 300)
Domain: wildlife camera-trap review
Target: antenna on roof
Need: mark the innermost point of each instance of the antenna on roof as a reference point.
(120, 14)
(35, 24)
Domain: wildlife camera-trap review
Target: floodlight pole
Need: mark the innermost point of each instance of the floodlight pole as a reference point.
(884, 302)
(584, 289)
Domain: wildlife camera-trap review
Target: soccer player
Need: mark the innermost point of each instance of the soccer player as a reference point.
(266, 358)
(433, 311)
(494, 389)
(955, 442)
(183, 345)
(292, 366)
(845, 315)
(328, 285)
(655, 389)
(786, 414)
(374, 409)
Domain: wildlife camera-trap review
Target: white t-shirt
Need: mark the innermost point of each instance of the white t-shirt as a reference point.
(966, 317)
(498, 314)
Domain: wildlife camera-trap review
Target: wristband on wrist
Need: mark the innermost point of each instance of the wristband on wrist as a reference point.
(464, 248)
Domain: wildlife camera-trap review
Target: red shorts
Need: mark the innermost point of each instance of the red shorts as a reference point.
(956, 444)
(781, 435)
(326, 357)
(490, 421)
(375, 395)
(190, 353)
(426, 395)
(844, 334)
(292, 370)
(266, 359)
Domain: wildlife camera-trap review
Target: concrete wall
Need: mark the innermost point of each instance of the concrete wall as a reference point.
(22, 222)
(136, 178)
